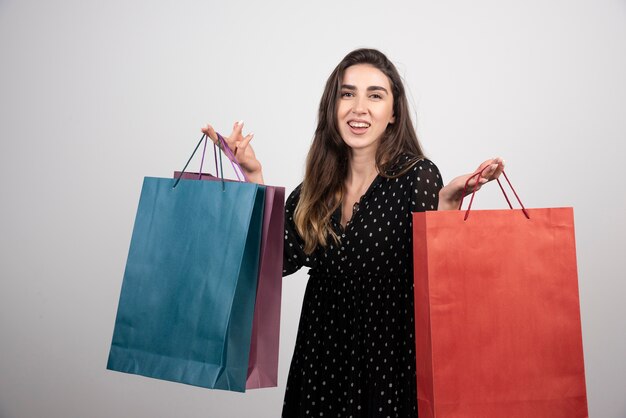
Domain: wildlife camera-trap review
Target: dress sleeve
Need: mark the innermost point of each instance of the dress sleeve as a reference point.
(426, 185)
(294, 256)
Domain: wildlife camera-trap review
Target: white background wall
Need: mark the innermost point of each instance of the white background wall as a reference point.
(94, 95)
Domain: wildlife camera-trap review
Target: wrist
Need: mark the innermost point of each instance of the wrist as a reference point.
(448, 201)
(255, 176)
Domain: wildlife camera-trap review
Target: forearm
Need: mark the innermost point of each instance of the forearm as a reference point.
(255, 176)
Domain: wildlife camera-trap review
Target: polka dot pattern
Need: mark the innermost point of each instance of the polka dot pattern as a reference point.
(354, 353)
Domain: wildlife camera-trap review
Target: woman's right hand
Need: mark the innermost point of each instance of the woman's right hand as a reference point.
(241, 149)
(452, 194)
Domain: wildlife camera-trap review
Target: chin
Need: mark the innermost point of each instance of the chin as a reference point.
(357, 145)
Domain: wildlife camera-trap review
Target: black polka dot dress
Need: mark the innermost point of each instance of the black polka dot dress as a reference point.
(355, 348)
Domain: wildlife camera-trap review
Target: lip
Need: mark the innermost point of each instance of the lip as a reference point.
(358, 131)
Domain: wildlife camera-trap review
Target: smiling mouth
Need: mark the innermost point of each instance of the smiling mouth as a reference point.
(359, 124)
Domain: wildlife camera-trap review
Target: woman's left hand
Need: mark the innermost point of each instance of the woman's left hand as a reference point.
(450, 196)
(241, 150)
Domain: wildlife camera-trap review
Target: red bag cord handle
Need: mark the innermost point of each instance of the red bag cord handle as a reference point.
(479, 174)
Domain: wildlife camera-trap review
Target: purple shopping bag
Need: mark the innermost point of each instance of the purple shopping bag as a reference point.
(263, 360)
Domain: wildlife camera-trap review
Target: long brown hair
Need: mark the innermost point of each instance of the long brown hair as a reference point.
(327, 162)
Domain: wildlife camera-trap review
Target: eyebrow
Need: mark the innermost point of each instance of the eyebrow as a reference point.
(370, 88)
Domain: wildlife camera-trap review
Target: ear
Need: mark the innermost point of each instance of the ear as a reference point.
(392, 120)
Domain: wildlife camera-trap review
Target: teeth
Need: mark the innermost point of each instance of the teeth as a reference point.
(359, 124)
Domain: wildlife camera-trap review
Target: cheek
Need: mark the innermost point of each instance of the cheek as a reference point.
(384, 114)
(390, 114)
(341, 109)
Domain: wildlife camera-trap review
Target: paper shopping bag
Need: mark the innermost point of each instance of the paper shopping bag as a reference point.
(186, 306)
(497, 315)
(263, 362)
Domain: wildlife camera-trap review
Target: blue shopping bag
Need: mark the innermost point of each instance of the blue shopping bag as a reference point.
(186, 306)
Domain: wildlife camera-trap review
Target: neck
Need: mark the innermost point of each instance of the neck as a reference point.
(362, 169)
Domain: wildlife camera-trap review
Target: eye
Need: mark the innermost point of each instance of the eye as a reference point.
(376, 96)
(347, 94)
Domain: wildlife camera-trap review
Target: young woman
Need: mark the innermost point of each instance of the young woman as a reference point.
(350, 223)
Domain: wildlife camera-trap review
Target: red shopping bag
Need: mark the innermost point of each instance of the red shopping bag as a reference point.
(497, 318)
(263, 359)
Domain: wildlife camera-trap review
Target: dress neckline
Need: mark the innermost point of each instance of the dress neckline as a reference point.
(357, 205)
(398, 165)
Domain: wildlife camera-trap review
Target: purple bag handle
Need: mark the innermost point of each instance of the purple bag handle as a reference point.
(233, 160)
(216, 149)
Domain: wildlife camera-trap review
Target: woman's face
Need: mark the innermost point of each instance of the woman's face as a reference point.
(365, 107)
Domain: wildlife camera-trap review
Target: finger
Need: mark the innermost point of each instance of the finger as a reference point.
(488, 172)
(237, 128)
(499, 169)
(470, 182)
(208, 130)
(472, 187)
(484, 164)
(476, 182)
(246, 141)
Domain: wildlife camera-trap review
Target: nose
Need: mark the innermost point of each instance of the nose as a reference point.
(359, 106)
